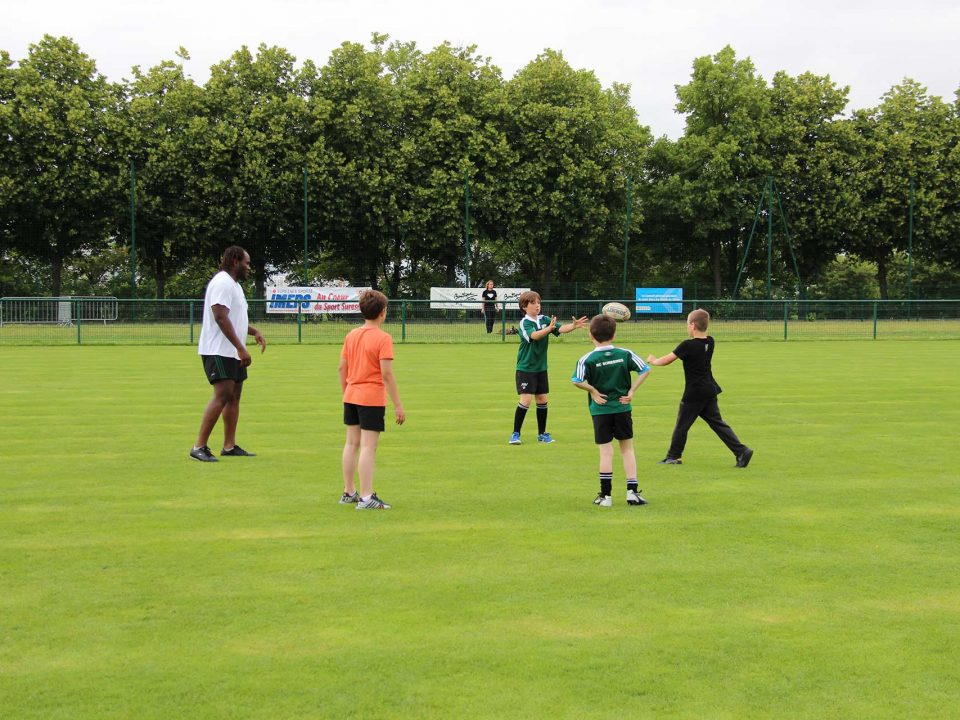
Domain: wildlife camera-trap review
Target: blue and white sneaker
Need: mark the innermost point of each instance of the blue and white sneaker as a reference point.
(545, 438)
(515, 439)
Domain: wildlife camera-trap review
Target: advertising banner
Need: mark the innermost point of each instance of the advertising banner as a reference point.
(659, 300)
(443, 298)
(314, 300)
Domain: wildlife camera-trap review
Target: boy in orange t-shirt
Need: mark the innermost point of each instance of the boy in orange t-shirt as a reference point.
(366, 376)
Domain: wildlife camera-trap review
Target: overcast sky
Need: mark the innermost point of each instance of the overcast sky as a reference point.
(649, 44)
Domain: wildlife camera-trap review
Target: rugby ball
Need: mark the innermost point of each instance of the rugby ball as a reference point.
(617, 311)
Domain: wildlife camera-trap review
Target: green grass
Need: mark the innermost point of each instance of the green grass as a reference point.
(821, 582)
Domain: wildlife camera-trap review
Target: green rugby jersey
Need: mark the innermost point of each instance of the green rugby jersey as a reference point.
(607, 368)
(532, 354)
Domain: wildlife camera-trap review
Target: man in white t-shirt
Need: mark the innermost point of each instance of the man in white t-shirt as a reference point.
(223, 349)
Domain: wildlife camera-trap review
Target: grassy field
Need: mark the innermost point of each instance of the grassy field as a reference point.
(820, 582)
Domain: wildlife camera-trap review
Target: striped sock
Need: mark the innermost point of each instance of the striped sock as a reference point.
(606, 483)
(518, 417)
(632, 484)
(541, 418)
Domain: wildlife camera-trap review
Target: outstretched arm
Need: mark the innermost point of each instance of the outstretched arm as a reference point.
(665, 360)
(574, 324)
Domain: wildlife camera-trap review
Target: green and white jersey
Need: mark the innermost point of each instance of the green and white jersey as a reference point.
(532, 354)
(608, 368)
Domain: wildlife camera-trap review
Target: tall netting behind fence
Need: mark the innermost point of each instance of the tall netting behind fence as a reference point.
(109, 321)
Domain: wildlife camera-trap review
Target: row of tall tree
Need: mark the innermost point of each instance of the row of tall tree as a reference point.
(402, 169)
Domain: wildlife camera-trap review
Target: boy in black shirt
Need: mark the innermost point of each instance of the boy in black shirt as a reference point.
(699, 393)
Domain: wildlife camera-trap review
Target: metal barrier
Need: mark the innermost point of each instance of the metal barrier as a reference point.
(109, 321)
(59, 310)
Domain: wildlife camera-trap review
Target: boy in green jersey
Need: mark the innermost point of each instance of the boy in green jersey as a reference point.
(535, 331)
(604, 373)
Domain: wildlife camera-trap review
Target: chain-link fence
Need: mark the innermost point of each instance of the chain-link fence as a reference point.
(108, 321)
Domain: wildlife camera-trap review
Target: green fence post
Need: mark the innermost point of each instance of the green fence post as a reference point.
(403, 321)
(874, 319)
(191, 321)
(299, 323)
(503, 321)
(786, 316)
(76, 312)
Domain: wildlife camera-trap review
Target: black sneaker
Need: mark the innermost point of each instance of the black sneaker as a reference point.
(670, 461)
(236, 451)
(202, 454)
(743, 459)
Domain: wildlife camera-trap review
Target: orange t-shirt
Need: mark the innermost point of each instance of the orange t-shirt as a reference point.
(363, 349)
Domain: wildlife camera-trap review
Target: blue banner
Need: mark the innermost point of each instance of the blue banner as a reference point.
(659, 300)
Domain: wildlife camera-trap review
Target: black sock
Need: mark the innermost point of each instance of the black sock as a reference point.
(542, 418)
(518, 417)
(606, 483)
(632, 485)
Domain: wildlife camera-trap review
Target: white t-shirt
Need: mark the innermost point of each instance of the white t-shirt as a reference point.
(223, 290)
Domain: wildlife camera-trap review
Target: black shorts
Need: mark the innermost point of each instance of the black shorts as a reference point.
(532, 383)
(612, 425)
(368, 417)
(218, 368)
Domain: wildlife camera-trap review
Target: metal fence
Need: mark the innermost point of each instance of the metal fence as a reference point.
(108, 321)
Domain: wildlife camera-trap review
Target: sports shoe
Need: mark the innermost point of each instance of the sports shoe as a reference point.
(374, 503)
(603, 500)
(670, 461)
(348, 498)
(545, 438)
(512, 331)
(515, 439)
(743, 459)
(634, 497)
(236, 451)
(202, 454)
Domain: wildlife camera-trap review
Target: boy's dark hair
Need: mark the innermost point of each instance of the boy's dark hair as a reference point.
(700, 319)
(603, 328)
(372, 303)
(231, 256)
(527, 297)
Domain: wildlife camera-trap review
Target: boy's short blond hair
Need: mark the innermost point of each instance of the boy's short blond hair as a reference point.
(700, 319)
(372, 303)
(527, 297)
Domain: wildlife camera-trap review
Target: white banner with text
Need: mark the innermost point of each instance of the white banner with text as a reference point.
(445, 298)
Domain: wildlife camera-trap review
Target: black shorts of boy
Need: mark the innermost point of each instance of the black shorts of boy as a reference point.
(368, 417)
(218, 368)
(612, 425)
(532, 383)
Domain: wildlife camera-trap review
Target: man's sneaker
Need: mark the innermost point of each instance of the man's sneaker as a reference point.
(603, 500)
(515, 439)
(202, 454)
(670, 461)
(236, 451)
(545, 438)
(348, 498)
(634, 497)
(743, 459)
(374, 503)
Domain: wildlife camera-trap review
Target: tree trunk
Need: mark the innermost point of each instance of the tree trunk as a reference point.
(57, 271)
(716, 261)
(882, 278)
(161, 277)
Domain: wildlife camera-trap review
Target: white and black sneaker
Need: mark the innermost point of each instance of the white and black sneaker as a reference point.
(634, 498)
(374, 503)
(348, 498)
(603, 500)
